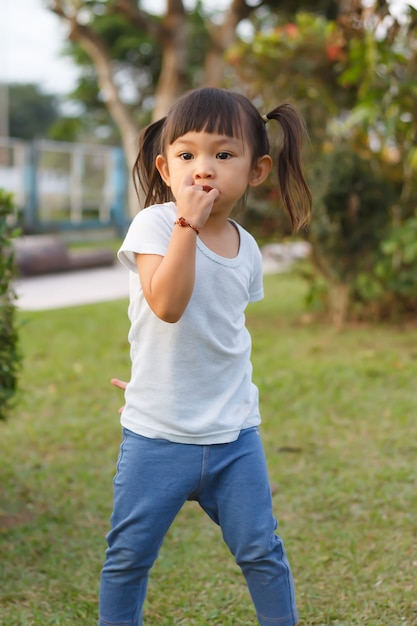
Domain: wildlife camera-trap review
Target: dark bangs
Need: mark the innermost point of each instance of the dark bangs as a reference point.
(209, 110)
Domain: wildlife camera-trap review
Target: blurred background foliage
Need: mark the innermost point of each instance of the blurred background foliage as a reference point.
(351, 69)
(354, 80)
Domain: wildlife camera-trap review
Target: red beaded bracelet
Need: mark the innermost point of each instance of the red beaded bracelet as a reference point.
(181, 221)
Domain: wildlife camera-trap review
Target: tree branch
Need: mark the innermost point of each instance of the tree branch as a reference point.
(141, 20)
(221, 37)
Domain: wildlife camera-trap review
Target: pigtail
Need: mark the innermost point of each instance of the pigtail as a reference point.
(146, 177)
(295, 192)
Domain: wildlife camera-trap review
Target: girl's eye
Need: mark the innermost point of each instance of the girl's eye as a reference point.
(186, 156)
(224, 155)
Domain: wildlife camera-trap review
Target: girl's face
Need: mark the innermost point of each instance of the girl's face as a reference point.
(213, 161)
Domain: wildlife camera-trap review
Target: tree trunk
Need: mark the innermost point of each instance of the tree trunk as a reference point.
(222, 36)
(173, 41)
(124, 120)
(338, 304)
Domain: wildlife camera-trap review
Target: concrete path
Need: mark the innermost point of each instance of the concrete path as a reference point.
(57, 291)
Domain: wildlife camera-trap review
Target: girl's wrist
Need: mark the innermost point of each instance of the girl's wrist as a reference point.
(184, 223)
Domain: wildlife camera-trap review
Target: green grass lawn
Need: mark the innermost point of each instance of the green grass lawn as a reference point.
(340, 432)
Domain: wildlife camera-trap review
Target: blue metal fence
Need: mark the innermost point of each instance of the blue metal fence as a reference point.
(59, 186)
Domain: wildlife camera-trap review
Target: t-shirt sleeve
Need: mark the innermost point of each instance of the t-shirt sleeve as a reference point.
(256, 289)
(149, 233)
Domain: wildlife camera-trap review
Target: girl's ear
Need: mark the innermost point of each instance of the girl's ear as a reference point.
(162, 167)
(260, 171)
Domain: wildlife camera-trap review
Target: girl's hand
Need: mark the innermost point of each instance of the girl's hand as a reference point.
(120, 384)
(195, 202)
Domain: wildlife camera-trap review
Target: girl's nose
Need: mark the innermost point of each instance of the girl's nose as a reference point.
(203, 170)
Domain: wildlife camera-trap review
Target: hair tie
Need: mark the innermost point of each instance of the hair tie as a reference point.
(265, 118)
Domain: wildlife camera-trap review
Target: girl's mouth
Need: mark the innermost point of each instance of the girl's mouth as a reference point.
(207, 188)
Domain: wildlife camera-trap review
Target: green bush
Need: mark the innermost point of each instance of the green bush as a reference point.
(352, 216)
(390, 291)
(9, 350)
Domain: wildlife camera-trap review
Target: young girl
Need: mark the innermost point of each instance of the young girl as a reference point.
(191, 416)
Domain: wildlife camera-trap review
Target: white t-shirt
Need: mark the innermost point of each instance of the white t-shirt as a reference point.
(191, 381)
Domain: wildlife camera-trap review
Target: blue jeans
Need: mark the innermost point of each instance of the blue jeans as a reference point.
(154, 478)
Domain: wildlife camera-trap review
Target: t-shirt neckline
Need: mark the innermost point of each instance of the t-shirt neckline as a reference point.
(217, 258)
